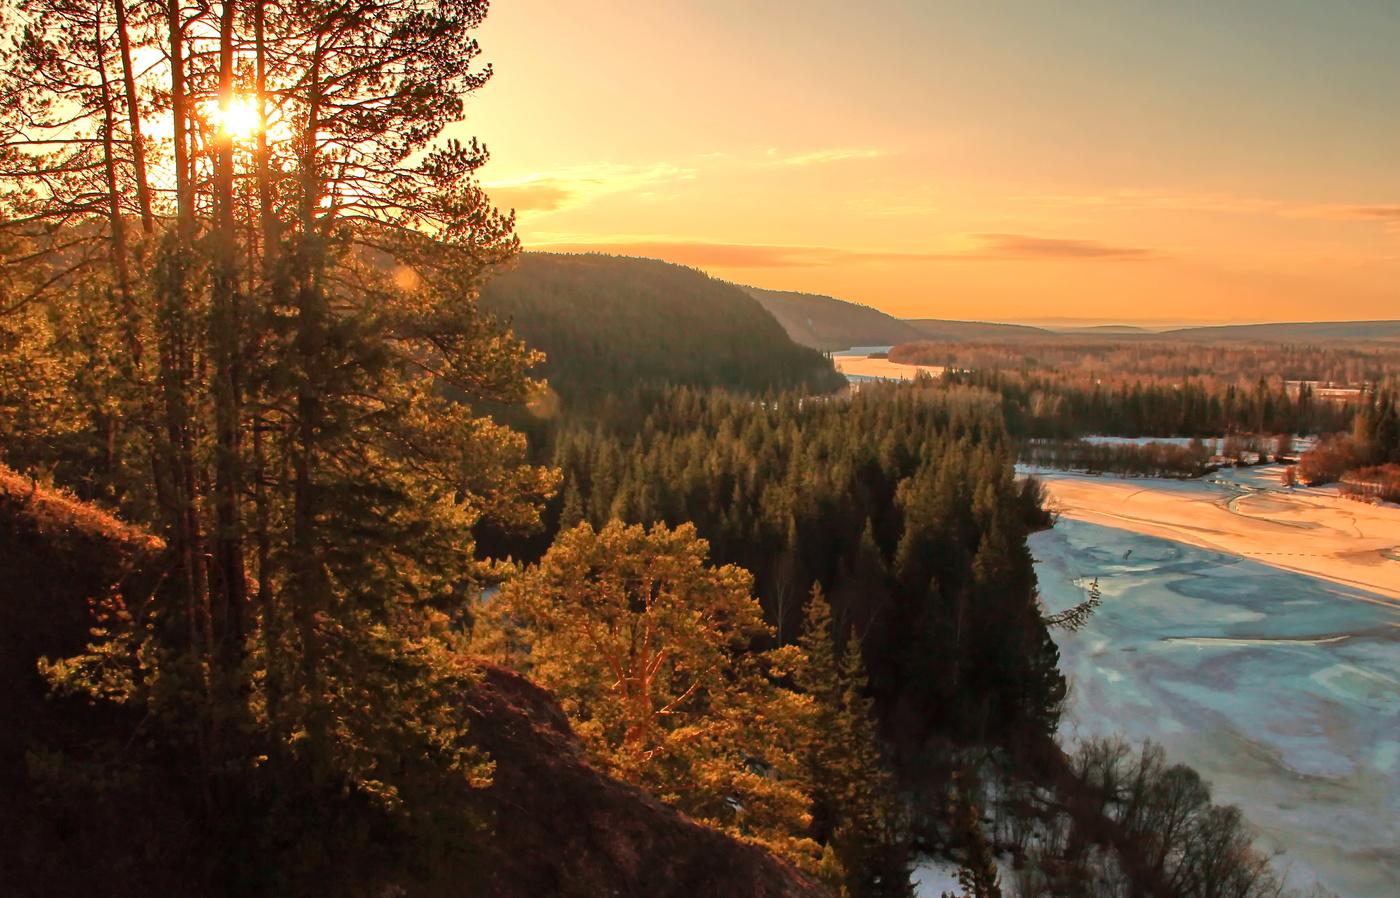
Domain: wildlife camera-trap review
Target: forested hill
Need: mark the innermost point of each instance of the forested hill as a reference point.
(833, 324)
(828, 324)
(1292, 332)
(610, 323)
(941, 329)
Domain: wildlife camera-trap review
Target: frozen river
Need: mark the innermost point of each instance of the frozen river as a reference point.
(857, 365)
(1254, 632)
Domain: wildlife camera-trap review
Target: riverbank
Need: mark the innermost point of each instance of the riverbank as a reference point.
(1254, 631)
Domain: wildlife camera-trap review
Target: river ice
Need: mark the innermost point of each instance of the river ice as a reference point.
(1255, 634)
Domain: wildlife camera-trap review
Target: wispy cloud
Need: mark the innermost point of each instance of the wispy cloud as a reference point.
(1351, 213)
(820, 157)
(573, 186)
(544, 195)
(576, 185)
(1386, 213)
(982, 247)
(1152, 199)
(1023, 246)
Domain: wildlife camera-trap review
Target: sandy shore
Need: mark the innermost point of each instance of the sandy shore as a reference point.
(1248, 513)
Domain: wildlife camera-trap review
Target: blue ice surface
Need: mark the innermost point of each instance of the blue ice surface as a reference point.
(1280, 688)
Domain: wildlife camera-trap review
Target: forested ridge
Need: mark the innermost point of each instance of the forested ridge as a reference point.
(608, 324)
(825, 323)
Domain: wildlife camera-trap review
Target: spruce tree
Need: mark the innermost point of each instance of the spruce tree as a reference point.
(853, 806)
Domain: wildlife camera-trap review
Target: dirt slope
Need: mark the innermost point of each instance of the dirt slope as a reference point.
(556, 826)
(562, 828)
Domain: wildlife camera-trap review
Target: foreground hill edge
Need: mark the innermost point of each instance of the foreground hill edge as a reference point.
(557, 826)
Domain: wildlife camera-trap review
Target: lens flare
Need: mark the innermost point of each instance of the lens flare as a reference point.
(241, 119)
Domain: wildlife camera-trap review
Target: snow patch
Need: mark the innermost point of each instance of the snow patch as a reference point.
(934, 876)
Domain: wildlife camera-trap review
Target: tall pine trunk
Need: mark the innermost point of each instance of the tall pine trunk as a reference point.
(226, 326)
(131, 324)
(308, 348)
(179, 335)
(133, 110)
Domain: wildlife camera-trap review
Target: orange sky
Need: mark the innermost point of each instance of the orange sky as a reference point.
(1189, 161)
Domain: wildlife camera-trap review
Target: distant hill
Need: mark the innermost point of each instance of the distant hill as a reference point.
(824, 323)
(938, 329)
(1292, 332)
(610, 323)
(1104, 329)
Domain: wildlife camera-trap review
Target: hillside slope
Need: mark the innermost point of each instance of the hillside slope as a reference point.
(553, 825)
(1105, 330)
(610, 323)
(824, 323)
(559, 827)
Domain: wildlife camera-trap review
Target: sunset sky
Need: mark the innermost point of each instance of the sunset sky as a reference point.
(1016, 160)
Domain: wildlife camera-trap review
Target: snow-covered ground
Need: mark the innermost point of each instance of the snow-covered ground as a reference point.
(1300, 444)
(1142, 441)
(1253, 631)
(932, 877)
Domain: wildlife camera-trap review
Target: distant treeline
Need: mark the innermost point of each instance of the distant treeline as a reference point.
(1367, 458)
(608, 324)
(1131, 459)
(1155, 459)
(1241, 364)
(1040, 405)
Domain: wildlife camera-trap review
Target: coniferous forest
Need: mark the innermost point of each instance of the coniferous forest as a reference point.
(899, 503)
(1056, 404)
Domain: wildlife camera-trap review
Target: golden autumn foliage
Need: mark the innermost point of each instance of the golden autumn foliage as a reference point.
(650, 652)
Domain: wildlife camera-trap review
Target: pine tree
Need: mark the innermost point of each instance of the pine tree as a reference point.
(650, 651)
(256, 363)
(571, 515)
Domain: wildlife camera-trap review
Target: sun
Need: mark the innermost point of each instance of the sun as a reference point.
(241, 119)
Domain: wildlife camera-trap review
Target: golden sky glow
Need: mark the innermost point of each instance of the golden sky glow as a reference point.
(980, 159)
